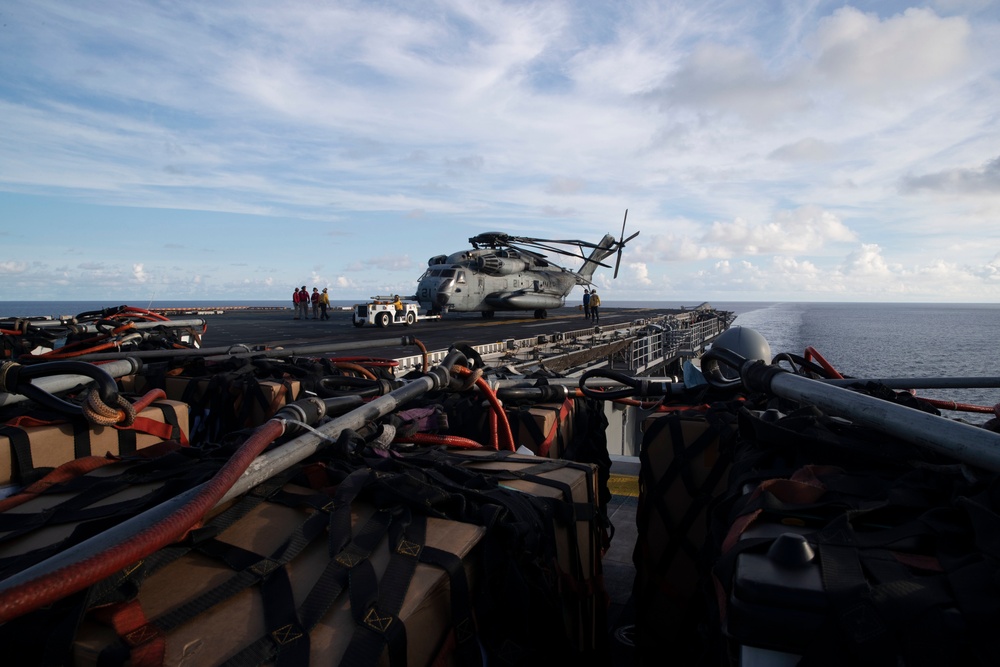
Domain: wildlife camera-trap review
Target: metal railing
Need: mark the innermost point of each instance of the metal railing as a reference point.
(650, 343)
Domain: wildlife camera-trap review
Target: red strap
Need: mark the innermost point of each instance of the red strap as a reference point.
(146, 642)
(543, 448)
(25, 421)
(161, 430)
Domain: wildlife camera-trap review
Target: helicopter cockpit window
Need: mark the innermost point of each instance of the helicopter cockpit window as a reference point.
(461, 276)
(448, 273)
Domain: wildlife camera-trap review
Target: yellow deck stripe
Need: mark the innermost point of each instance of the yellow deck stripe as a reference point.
(624, 485)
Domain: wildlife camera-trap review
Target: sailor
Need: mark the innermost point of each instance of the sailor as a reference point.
(398, 306)
(586, 303)
(315, 303)
(595, 306)
(324, 303)
(303, 303)
(295, 303)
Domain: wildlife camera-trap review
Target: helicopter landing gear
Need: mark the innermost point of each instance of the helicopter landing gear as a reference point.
(541, 314)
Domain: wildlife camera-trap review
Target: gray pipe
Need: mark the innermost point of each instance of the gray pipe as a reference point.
(924, 383)
(261, 469)
(969, 444)
(227, 351)
(56, 383)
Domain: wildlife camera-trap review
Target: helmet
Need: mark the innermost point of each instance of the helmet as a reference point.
(745, 342)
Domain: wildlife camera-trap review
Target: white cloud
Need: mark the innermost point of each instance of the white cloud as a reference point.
(866, 262)
(880, 59)
(640, 274)
(806, 230)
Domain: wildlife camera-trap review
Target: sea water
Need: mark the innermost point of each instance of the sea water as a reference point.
(889, 340)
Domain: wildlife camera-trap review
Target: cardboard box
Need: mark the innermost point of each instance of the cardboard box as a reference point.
(274, 394)
(544, 428)
(233, 623)
(44, 535)
(23, 450)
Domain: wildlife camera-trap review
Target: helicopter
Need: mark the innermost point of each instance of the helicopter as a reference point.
(505, 272)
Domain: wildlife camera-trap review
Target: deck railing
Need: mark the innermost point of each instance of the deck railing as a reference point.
(642, 345)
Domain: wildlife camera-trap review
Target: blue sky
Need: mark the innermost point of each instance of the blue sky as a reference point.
(799, 151)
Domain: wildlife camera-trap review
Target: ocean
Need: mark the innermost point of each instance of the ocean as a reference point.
(890, 340)
(862, 340)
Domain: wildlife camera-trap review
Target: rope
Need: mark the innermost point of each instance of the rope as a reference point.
(99, 412)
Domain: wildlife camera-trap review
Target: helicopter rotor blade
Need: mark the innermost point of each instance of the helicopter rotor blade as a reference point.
(621, 244)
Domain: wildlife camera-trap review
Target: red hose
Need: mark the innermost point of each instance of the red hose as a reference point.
(369, 361)
(455, 441)
(148, 313)
(503, 426)
(494, 438)
(423, 352)
(958, 407)
(938, 403)
(358, 368)
(52, 586)
(831, 371)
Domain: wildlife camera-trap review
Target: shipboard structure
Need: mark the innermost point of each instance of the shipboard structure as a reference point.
(265, 506)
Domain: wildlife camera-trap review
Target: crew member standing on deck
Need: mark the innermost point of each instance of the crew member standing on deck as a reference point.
(595, 307)
(295, 304)
(324, 303)
(303, 303)
(586, 303)
(315, 303)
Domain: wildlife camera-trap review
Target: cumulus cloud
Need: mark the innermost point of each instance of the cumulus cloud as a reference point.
(139, 273)
(804, 230)
(866, 261)
(850, 54)
(881, 57)
(640, 274)
(983, 180)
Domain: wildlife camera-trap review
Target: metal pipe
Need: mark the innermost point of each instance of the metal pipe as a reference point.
(261, 469)
(55, 383)
(964, 442)
(228, 351)
(924, 383)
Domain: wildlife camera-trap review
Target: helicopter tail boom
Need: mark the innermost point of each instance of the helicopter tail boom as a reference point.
(604, 249)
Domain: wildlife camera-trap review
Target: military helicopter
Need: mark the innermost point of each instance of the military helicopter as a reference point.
(505, 272)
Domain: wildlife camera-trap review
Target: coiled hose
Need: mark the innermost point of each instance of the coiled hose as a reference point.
(29, 596)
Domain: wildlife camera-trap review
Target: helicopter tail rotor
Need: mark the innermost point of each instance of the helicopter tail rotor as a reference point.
(621, 243)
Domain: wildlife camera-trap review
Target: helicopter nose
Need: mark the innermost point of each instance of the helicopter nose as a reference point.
(442, 298)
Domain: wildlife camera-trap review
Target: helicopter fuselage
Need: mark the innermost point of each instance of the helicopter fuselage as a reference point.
(497, 279)
(487, 280)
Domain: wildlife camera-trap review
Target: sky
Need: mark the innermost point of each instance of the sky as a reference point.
(765, 151)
